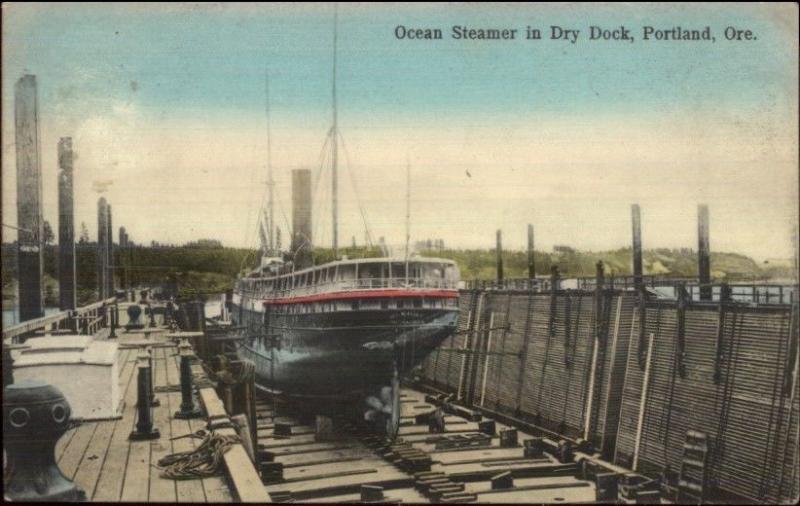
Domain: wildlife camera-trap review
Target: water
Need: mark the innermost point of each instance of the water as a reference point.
(11, 316)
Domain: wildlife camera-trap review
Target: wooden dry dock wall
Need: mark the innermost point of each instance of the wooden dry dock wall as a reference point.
(516, 356)
(750, 414)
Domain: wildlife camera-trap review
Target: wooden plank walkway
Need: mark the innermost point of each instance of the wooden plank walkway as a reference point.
(102, 461)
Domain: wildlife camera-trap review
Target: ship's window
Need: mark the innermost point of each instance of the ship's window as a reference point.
(417, 301)
(346, 272)
(400, 303)
(432, 274)
(384, 303)
(354, 305)
(369, 271)
(398, 273)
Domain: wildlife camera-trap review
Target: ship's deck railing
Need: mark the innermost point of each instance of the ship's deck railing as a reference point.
(665, 288)
(343, 285)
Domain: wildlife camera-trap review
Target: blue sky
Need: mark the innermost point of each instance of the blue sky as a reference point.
(144, 88)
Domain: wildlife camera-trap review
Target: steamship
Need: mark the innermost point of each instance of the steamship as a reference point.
(339, 335)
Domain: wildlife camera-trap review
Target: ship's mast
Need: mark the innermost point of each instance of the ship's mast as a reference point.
(335, 146)
(408, 211)
(270, 181)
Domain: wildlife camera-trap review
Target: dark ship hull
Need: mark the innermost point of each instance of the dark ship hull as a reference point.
(344, 353)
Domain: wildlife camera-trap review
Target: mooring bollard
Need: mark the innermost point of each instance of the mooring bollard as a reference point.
(188, 407)
(35, 416)
(144, 411)
(154, 402)
(114, 322)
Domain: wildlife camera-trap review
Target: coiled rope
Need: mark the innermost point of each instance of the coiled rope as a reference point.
(204, 461)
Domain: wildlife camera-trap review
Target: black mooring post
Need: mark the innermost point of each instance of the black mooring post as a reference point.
(114, 323)
(144, 411)
(188, 407)
(152, 315)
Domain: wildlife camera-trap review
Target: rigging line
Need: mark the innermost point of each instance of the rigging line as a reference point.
(270, 181)
(335, 146)
(317, 193)
(361, 208)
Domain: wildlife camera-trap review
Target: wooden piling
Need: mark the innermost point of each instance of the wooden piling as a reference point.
(499, 256)
(123, 245)
(531, 259)
(66, 227)
(102, 245)
(30, 255)
(703, 252)
(110, 254)
(636, 222)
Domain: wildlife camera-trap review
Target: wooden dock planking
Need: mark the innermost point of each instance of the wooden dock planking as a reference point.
(137, 472)
(215, 487)
(112, 474)
(187, 490)
(161, 489)
(90, 466)
(63, 442)
(73, 453)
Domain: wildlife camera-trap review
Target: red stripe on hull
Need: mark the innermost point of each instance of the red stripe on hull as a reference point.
(366, 294)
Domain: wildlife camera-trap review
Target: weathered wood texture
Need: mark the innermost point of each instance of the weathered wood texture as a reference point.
(30, 224)
(537, 361)
(102, 461)
(66, 227)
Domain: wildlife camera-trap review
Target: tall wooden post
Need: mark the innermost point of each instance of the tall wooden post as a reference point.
(531, 259)
(499, 256)
(30, 255)
(110, 254)
(636, 222)
(123, 246)
(703, 253)
(102, 245)
(66, 227)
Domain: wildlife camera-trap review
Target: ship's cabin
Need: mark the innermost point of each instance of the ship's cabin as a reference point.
(358, 274)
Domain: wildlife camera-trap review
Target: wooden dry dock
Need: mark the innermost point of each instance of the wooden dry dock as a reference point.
(350, 465)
